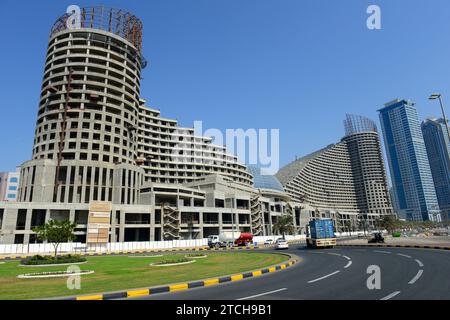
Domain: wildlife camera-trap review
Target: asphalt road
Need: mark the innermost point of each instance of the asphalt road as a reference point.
(340, 273)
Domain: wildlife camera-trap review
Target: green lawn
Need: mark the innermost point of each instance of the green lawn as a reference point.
(114, 273)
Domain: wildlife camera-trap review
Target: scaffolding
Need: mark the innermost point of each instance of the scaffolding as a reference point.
(121, 23)
(358, 124)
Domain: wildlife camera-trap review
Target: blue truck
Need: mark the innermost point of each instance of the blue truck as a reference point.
(320, 234)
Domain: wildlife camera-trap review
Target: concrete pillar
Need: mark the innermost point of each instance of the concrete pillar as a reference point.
(112, 228)
(122, 227)
(152, 224)
(220, 222)
(200, 221)
(9, 224)
(72, 215)
(47, 215)
(270, 224)
(26, 238)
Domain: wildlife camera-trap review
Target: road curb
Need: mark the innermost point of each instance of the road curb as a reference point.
(394, 246)
(185, 285)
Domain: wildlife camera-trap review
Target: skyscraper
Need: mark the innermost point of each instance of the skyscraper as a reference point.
(408, 162)
(438, 149)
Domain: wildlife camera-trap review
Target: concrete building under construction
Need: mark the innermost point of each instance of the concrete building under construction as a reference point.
(97, 142)
(345, 181)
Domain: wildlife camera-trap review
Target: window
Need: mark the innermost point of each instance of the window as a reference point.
(12, 188)
(11, 196)
(13, 180)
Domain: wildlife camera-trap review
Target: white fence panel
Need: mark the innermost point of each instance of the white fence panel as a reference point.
(77, 247)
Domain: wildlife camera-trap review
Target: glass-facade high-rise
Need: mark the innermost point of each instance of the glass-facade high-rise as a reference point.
(408, 162)
(438, 148)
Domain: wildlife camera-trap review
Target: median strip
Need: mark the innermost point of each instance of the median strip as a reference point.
(184, 286)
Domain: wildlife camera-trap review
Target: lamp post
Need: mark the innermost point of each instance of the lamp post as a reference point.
(438, 96)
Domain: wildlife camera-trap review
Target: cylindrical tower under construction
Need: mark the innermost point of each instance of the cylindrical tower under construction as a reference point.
(85, 145)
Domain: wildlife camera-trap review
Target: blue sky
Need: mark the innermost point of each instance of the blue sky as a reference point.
(296, 65)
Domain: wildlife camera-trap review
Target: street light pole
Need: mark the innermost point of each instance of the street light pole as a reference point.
(438, 96)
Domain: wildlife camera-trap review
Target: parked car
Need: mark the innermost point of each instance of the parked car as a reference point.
(282, 244)
(268, 242)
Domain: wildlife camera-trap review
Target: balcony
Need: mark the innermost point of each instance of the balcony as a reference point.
(137, 221)
(210, 221)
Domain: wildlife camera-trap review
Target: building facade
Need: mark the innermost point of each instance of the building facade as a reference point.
(345, 181)
(438, 149)
(96, 142)
(408, 162)
(9, 185)
(169, 153)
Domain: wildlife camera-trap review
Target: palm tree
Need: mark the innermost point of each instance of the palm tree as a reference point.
(284, 225)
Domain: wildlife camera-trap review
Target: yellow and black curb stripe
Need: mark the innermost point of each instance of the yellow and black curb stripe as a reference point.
(394, 246)
(184, 286)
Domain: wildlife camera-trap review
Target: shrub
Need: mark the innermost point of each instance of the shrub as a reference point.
(39, 260)
(195, 254)
(175, 260)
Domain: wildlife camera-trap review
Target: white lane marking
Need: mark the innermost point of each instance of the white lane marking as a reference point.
(263, 294)
(388, 252)
(348, 258)
(348, 264)
(393, 294)
(334, 254)
(321, 278)
(403, 255)
(417, 276)
(419, 262)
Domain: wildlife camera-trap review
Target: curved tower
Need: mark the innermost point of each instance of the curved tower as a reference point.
(364, 147)
(85, 145)
(348, 177)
